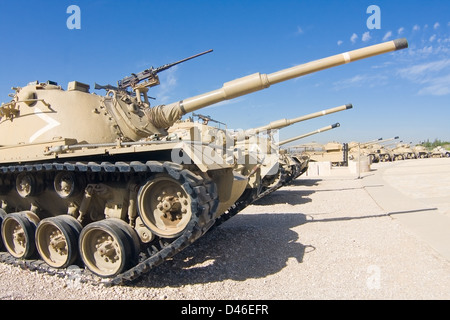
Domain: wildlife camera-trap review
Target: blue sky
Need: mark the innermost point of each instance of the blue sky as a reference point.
(406, 93)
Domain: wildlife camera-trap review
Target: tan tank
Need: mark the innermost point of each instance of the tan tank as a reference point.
(440, 152)
(369, 149)
(115, 186)
(403, 151)
(267, 167)
(282, 166)
(386, 153)
(421, 152)
(298, 162)
(333, 151)
(379, 152)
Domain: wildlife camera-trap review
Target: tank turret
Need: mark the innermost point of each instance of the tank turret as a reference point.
(112, 184)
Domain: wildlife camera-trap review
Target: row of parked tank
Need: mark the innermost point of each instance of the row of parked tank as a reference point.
(394, 152)
(375, 151)
(115, 186)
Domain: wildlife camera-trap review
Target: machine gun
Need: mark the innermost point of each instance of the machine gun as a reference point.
(151, 75)
(207, 119)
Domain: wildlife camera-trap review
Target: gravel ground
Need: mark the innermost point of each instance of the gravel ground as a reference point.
(320, 238)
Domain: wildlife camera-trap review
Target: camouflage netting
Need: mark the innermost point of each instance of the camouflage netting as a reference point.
(164, 116)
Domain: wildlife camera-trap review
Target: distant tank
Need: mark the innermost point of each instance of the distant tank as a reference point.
(381, 154)
(403, 151)
(287, 167)
(103, 182)
(371, 149)
(356, 149)
(333, 151)
(274, 167)
(440, 152)
(385, 153)
(421, 152)
(300, 160)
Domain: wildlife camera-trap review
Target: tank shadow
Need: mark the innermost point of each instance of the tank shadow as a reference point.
(293, 197)
(242, 248)
(302, 181)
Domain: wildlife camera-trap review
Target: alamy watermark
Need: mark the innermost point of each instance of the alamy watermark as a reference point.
(374, 21)
(74, 20)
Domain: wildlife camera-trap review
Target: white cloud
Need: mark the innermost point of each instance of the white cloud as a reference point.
(432, 38)
(366, 36)
(387, 35)
(416, 28)
(299, 30)
(439, 86)
(340, 42)
(433, 76)
(424, 68)
(361, 80)
(353, 38)
(436, 25)
(426, 50)
(400, 30)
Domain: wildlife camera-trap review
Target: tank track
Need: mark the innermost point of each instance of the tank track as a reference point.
(203, 192)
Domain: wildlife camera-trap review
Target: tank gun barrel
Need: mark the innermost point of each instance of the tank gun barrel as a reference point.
(390, 139)
(258, 81)
(279, 124)
(368, 143)
(309, 134)
(380, 140)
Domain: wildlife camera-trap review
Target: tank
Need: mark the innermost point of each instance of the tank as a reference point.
(113, 185)
(386, 153)
(378, 150)
(403, 151)
(421, 152)
(333, 151)
(370, 149)
(267, 167)
(298, 162)
(283, 169)
(277, 167)
(440, 152)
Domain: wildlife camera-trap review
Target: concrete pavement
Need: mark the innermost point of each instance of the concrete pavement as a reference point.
(416, 193)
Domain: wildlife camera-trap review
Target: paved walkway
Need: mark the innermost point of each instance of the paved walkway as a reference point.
(417, 193)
